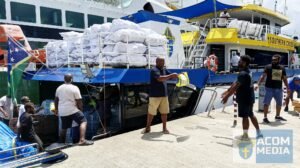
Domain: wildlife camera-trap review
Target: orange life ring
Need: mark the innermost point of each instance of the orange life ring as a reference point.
(212, 63)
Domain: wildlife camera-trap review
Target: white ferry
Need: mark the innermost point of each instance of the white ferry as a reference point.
(42, 21)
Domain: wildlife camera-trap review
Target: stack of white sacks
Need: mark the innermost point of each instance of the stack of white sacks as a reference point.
(118, 43)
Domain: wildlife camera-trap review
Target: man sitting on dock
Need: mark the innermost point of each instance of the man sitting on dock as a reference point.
(158, 99)
(244, 96)
(275, 74)
(68, 105)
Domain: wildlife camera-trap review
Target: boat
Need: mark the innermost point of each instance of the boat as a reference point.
(251, 30)
(121, 93)
(124, 89)
(44, 20)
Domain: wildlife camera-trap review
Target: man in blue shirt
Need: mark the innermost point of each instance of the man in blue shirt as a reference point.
(294, 85)
(158, 95)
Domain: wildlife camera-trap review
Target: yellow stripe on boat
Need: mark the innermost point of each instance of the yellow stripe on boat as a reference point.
(230, 36)
(251, 8)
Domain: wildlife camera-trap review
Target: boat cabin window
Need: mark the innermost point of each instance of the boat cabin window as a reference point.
(265, 21)
(93, 19)
(51, 16)
(179, 97)
(42, 32)
(262, 58)
(136, 99)
(75, 19)
(277, 28)
(22, 12)
(2, 10)
(110, 19)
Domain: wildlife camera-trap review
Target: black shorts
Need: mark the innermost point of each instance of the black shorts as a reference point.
(67, 120)
(245, 110)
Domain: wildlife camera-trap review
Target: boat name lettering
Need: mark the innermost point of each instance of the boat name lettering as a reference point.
(280, 41)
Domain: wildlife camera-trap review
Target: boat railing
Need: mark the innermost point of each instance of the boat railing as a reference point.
(15, 155)
(199, 62)
(246, 29)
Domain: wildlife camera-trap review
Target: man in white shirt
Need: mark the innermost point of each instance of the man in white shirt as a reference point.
(234, 62)
(7, 107)
(224, 16)
(68, 105)
(24, 100)
(294, 61)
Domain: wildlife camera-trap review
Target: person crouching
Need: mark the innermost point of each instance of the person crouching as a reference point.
(26, 129)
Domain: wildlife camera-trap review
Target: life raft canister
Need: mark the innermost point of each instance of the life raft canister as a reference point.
(212, 63)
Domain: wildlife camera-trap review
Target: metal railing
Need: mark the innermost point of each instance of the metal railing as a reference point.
(17, 156)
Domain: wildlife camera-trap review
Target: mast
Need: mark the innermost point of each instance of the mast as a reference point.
(215, 8)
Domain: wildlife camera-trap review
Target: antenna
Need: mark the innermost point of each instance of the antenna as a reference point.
(285, 8)
(275, 6)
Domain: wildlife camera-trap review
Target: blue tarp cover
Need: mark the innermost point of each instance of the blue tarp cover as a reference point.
(143, 16)
(197, 77)
(199, 9)
(7, 137)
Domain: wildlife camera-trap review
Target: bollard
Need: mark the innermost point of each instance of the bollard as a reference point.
(235, 110)
(284, 94)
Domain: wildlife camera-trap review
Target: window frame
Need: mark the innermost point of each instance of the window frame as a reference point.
(13, 8)
(43, 8)
(72, 12)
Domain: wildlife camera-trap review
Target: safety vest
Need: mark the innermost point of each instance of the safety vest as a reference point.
(183, 80)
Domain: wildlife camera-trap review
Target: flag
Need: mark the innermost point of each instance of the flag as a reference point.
(17, 58)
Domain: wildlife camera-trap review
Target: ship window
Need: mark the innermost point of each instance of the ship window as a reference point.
(22, 12)
(136, 101)
(110, 19)
(75, 19)
(51, 16)
(92, 19)
(37, 45)
(2, 10)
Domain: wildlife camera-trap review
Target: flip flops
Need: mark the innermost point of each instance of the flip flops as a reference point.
(145, 131)
(166, 131)
(86, 143)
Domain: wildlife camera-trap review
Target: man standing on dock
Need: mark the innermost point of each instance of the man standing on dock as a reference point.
(158, 96)
(68, 105)
(7, 107)
(274, 74)
(245, 96)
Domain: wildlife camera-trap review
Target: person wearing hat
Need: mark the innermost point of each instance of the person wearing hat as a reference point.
(24, 100)
(294, 85)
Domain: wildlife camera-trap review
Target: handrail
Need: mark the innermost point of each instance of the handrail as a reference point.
(20, 147)
(211, 101)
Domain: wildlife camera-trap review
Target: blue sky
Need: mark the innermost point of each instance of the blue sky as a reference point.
(293, 11)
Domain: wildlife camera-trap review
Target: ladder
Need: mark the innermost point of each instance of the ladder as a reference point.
(197, 50)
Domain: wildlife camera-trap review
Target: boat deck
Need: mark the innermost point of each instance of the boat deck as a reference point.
(196, 141)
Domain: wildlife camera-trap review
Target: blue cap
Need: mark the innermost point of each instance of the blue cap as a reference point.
(296, 78)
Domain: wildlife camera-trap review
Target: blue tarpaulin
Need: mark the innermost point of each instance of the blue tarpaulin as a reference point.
(8, 141)
(199, 9)
(143, 16)
(198, 77)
